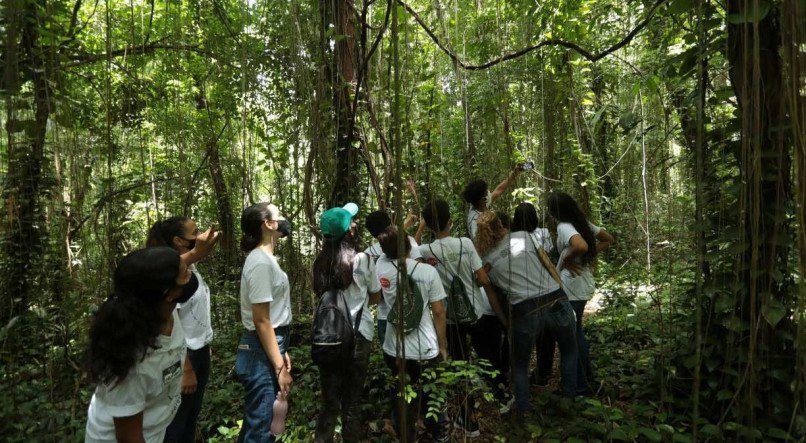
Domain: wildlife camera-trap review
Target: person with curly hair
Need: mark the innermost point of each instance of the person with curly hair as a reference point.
(477, 194)
(137, 348)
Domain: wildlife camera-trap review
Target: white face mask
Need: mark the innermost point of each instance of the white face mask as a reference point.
(489, 198)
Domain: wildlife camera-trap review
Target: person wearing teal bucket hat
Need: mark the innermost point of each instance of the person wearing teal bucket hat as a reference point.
(340, 267)
(335, 223)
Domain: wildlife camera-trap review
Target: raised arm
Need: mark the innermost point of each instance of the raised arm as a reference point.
(499, 190)
(205, 242)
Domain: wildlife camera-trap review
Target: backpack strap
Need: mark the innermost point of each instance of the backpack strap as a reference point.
(544, 260)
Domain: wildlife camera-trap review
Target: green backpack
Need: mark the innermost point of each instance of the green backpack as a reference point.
(460, 308)
(412, 310)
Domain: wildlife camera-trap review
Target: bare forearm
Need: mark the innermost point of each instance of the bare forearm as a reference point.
(442, 335)
(265, 332)
(502, 187)
(492, 297)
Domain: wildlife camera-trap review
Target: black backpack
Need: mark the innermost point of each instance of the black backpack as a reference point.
(333, 335)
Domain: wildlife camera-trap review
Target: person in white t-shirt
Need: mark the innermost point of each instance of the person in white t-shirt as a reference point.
(137, 348)
(477, 194)
(339, 266)
(456, 258)
(521, 268)
(578, 242)
(180, 233)
(413, 352)
(375, 223)
(262, 364)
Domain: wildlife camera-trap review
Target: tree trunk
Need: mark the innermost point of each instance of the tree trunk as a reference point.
(26, 153)
(347, 179)
(756, 74)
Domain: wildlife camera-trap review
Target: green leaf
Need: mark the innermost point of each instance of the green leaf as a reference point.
(618, 434)
(778, 433)
(680, 6)
(773, 311)
(750, 14)
(709, 430)
(650, 434)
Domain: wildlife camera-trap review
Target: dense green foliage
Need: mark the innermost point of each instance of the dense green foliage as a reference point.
(680, 125)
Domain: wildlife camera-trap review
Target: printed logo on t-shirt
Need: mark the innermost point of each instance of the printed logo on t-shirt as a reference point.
(171, 372)
(385, 283)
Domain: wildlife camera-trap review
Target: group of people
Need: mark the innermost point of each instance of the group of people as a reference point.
(494, 294)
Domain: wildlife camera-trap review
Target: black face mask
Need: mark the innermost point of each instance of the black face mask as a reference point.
(189, 289)
(191, 242)
(284, 228)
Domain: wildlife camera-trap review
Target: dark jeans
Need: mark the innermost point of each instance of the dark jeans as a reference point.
(526, 327)
(459, 349)
(412, 369)
(490, 342)
(260, 382)
(381, 332)
(342, 387)
(183, 427)
(585, 375)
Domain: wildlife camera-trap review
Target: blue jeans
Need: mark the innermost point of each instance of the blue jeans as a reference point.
(557, 319)
(585, 375)
(260, 382)
(183, 427)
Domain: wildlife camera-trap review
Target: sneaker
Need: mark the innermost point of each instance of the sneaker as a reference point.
(507, 401)
(443, 436)
(471, 428)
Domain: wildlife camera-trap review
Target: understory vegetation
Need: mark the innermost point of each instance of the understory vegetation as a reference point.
(678, 125)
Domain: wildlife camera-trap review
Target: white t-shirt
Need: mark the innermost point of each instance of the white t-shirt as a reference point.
(443, 254)
(421, 343)
(195, 315)
(262, 281)
(583, 285)
(153, 387)
(516, 268)
(377, 254)
(543, 237)
(365, 281)
(472, 222)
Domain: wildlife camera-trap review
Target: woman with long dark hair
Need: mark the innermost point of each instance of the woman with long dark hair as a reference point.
(340, 267)
(180, 233)
(262, 363)
(137, 348)
(578, 242)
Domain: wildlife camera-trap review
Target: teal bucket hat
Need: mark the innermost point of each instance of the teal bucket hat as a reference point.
(335, 222)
